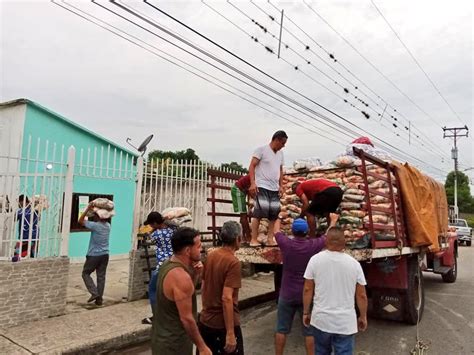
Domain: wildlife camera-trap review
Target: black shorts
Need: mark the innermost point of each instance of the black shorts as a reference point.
(267, 204)
(215, 339)
(327, 201)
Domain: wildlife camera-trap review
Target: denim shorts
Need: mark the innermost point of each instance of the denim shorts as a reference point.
(325, 343)
(285, 314)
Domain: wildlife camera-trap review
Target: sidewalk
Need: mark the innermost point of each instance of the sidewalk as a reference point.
(89, 329)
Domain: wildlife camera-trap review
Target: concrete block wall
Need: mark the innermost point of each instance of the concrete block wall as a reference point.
(32, 289)
(136, 277)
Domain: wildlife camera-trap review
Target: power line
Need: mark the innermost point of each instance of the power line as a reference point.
(247, 100)
(370, 63)
(306, 60)
(311, 38)
(251, 65)
(416, 61)
(182, 67)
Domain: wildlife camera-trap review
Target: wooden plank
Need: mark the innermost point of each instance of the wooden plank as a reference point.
(381, 209)
(222, 174)
(223, 214)
(383, 194)
(377, 176)
(385, 244)
(359, 152)
(378, 226)
(219, 200)
(220, 187)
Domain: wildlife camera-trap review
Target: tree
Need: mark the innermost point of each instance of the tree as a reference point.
(465, 200)
(236, 167)
(188, 154)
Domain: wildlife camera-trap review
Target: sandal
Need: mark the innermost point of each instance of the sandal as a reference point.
(147, 320)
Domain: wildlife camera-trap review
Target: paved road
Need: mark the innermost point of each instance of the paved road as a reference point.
(447, 325)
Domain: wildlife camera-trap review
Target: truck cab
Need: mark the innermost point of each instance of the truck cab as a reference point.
(463, 231)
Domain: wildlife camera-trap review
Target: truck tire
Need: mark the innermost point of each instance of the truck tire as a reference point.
(468, 243)
(451, 275)
(415, 296)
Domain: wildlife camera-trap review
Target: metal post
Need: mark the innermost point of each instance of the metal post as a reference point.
(281, 28)
(138, 198)
(454, 155)
(409, 132)
(67, 206)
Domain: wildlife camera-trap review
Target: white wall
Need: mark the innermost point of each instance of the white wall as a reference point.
(12, 123)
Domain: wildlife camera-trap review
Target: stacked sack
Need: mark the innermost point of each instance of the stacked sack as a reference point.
(352, 210)
(103, 207)
(177, 215)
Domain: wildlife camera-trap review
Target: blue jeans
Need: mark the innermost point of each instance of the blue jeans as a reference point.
(325, 342)
(152, 288)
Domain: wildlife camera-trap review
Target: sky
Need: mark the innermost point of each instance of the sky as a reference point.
(120, 90)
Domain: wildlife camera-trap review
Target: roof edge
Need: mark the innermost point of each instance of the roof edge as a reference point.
(64, 119)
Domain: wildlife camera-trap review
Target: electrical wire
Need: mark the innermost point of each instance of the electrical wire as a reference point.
(371, 64)
(430, 151)
(251, 65)
(186, 69)
(182, 67)
(433, 145)
(416, 61)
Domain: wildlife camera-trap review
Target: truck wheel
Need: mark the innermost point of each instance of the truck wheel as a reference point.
(415, 296)
(452, 274)
(468, 243)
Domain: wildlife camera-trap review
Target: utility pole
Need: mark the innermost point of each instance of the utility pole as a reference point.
(455, 132)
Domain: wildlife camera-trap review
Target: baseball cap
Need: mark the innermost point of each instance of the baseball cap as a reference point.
(154, 217)
(300, 226)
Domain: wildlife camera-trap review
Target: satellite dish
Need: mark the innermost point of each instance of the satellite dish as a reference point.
(142, 147)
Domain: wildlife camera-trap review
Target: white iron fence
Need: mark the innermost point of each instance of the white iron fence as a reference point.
(31, 200)
(181, 183)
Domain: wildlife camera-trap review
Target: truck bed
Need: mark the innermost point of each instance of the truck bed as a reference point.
(272, 255)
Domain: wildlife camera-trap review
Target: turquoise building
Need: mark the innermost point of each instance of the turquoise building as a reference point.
(34, 146)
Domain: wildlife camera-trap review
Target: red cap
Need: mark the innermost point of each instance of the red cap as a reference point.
(363, 140)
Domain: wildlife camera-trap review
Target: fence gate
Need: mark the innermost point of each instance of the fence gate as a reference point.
(38, 180)
(183, 183)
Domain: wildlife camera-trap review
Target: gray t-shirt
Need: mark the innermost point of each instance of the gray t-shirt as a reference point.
(99, 242)
(267, 172)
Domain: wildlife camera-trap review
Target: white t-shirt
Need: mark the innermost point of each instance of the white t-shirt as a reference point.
(335, 275)
(267, 172)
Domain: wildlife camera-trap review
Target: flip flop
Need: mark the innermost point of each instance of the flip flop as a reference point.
(147, 320)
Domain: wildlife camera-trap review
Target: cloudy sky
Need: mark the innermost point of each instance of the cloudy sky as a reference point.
(120, 90)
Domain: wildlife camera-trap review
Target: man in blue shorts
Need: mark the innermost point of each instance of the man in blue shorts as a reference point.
(296, 252)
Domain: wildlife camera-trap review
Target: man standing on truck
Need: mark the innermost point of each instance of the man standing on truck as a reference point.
(319, 197)
(332, 279)
(239, 194)
(266, 185)
(296, 252)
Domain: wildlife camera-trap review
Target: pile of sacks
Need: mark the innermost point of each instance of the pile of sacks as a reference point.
(103, 207)
(177, 215)
(353, 214)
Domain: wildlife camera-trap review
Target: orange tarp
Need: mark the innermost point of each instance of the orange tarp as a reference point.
(425, 206)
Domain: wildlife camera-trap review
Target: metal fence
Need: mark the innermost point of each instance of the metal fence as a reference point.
(181, 183)
(31, 200)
